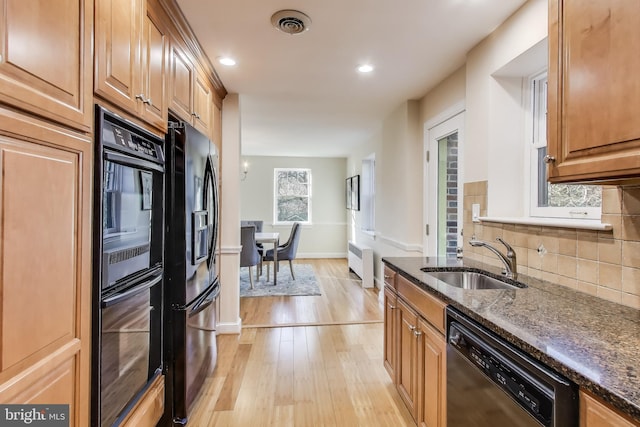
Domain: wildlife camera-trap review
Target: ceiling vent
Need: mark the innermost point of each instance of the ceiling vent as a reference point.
(291, 21)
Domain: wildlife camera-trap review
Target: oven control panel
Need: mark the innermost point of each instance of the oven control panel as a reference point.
(120, 138)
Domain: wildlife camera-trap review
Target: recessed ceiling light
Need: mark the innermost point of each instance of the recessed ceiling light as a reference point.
(365, 68)
(225, 60)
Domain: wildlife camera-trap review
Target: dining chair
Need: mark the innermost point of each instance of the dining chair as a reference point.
(249, 255)
(255, 222)
(286, 251)
(258, 223)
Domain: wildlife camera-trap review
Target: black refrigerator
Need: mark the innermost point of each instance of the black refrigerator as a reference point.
(192, 284)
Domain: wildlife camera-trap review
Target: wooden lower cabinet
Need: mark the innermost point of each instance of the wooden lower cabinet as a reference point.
(594, 413)
(390, 335)
(408, 356)
(432, 370)
(45, 278)
(415, 351)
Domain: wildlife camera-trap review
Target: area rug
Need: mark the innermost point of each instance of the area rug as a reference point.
(305, 283)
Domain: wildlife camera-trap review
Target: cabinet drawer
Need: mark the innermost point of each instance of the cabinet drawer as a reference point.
(389, 277)
(429, 307)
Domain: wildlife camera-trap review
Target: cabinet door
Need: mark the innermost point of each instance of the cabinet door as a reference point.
(202, 102)
(155, 61)
(594, 92)
(432, 410)
(181, 83)
(390, 332)
(596, 414)
(45, 249)
(407, 368)
(117, 51)
(45, 59)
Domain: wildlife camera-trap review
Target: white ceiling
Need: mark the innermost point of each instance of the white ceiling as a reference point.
(300, 95)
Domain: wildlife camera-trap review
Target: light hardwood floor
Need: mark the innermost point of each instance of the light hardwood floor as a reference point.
(324, 368)
(343, 300)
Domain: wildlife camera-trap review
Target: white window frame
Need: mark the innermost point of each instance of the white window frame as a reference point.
(368, 194)
(275, 195)
(536, 139)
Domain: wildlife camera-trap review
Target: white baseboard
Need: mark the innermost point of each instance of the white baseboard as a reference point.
(321, 255)
(229, 328)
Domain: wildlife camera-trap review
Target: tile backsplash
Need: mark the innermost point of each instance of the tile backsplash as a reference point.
(601, 263)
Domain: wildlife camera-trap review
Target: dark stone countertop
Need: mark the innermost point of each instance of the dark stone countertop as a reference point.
(593, 342)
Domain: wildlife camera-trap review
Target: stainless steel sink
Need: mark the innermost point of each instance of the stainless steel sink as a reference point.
(471, 280)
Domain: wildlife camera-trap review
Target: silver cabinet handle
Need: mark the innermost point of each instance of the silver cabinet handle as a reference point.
(144, 100)
(417, 332)
(549, 159)
(196, 115)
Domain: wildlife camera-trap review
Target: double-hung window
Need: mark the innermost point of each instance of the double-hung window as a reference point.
(292, 196)
(368, 194)
(554, 200)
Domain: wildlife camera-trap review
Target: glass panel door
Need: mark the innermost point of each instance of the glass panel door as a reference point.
(443, 187)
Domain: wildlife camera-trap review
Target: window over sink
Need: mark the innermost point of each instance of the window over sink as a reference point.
(575, 201)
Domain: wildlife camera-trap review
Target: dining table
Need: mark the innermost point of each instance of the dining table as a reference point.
(274, 239)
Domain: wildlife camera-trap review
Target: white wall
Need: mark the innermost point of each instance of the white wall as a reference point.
(494, 128)
(447, 94)
(398, 200)
(326, 237)
(494, 132)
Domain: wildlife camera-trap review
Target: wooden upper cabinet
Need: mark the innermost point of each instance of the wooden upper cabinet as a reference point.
(131, 54)
(191, 92)
(117, 51)
(202, 104)
(155, 63)
(181, 83)
(594, 90)
(45, 59)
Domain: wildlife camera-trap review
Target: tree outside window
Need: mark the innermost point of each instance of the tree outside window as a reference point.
(292, 195)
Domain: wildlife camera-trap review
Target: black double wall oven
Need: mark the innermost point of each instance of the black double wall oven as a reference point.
(128, 268)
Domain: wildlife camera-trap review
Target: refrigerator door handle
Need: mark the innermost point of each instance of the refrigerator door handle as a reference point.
(210, 185)
(208, 297)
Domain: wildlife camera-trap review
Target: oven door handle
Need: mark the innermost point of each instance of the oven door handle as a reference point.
(112, 300)
(133, 161)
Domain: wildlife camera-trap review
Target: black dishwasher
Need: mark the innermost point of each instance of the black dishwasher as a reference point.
(492, 384)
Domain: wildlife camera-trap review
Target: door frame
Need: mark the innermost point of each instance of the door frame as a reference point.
(446, 123)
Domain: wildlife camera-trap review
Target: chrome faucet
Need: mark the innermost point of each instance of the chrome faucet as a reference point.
(509, 260)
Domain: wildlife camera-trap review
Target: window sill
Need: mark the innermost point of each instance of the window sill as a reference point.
(371, 233)
(585, 224)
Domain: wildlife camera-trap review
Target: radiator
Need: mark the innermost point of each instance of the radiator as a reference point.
(360, 260)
